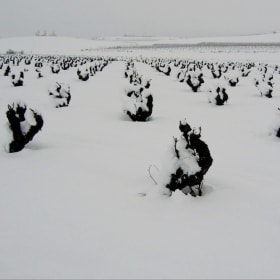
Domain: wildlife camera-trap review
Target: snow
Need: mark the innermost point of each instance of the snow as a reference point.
(72, 46)
(78, 201)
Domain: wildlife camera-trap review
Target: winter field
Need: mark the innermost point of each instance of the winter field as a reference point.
(78, 201)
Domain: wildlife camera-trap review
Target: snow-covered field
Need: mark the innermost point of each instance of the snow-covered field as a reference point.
(78, 201)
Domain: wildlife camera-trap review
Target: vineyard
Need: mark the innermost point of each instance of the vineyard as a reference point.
(125, 165)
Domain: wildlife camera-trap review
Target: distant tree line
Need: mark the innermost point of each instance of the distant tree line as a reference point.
(44, 33)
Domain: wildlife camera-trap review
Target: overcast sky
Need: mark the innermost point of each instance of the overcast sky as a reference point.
(184, 18)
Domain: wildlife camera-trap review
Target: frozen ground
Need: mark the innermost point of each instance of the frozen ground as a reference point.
(72, 204)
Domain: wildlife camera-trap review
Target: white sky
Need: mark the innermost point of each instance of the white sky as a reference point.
(187, 18)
